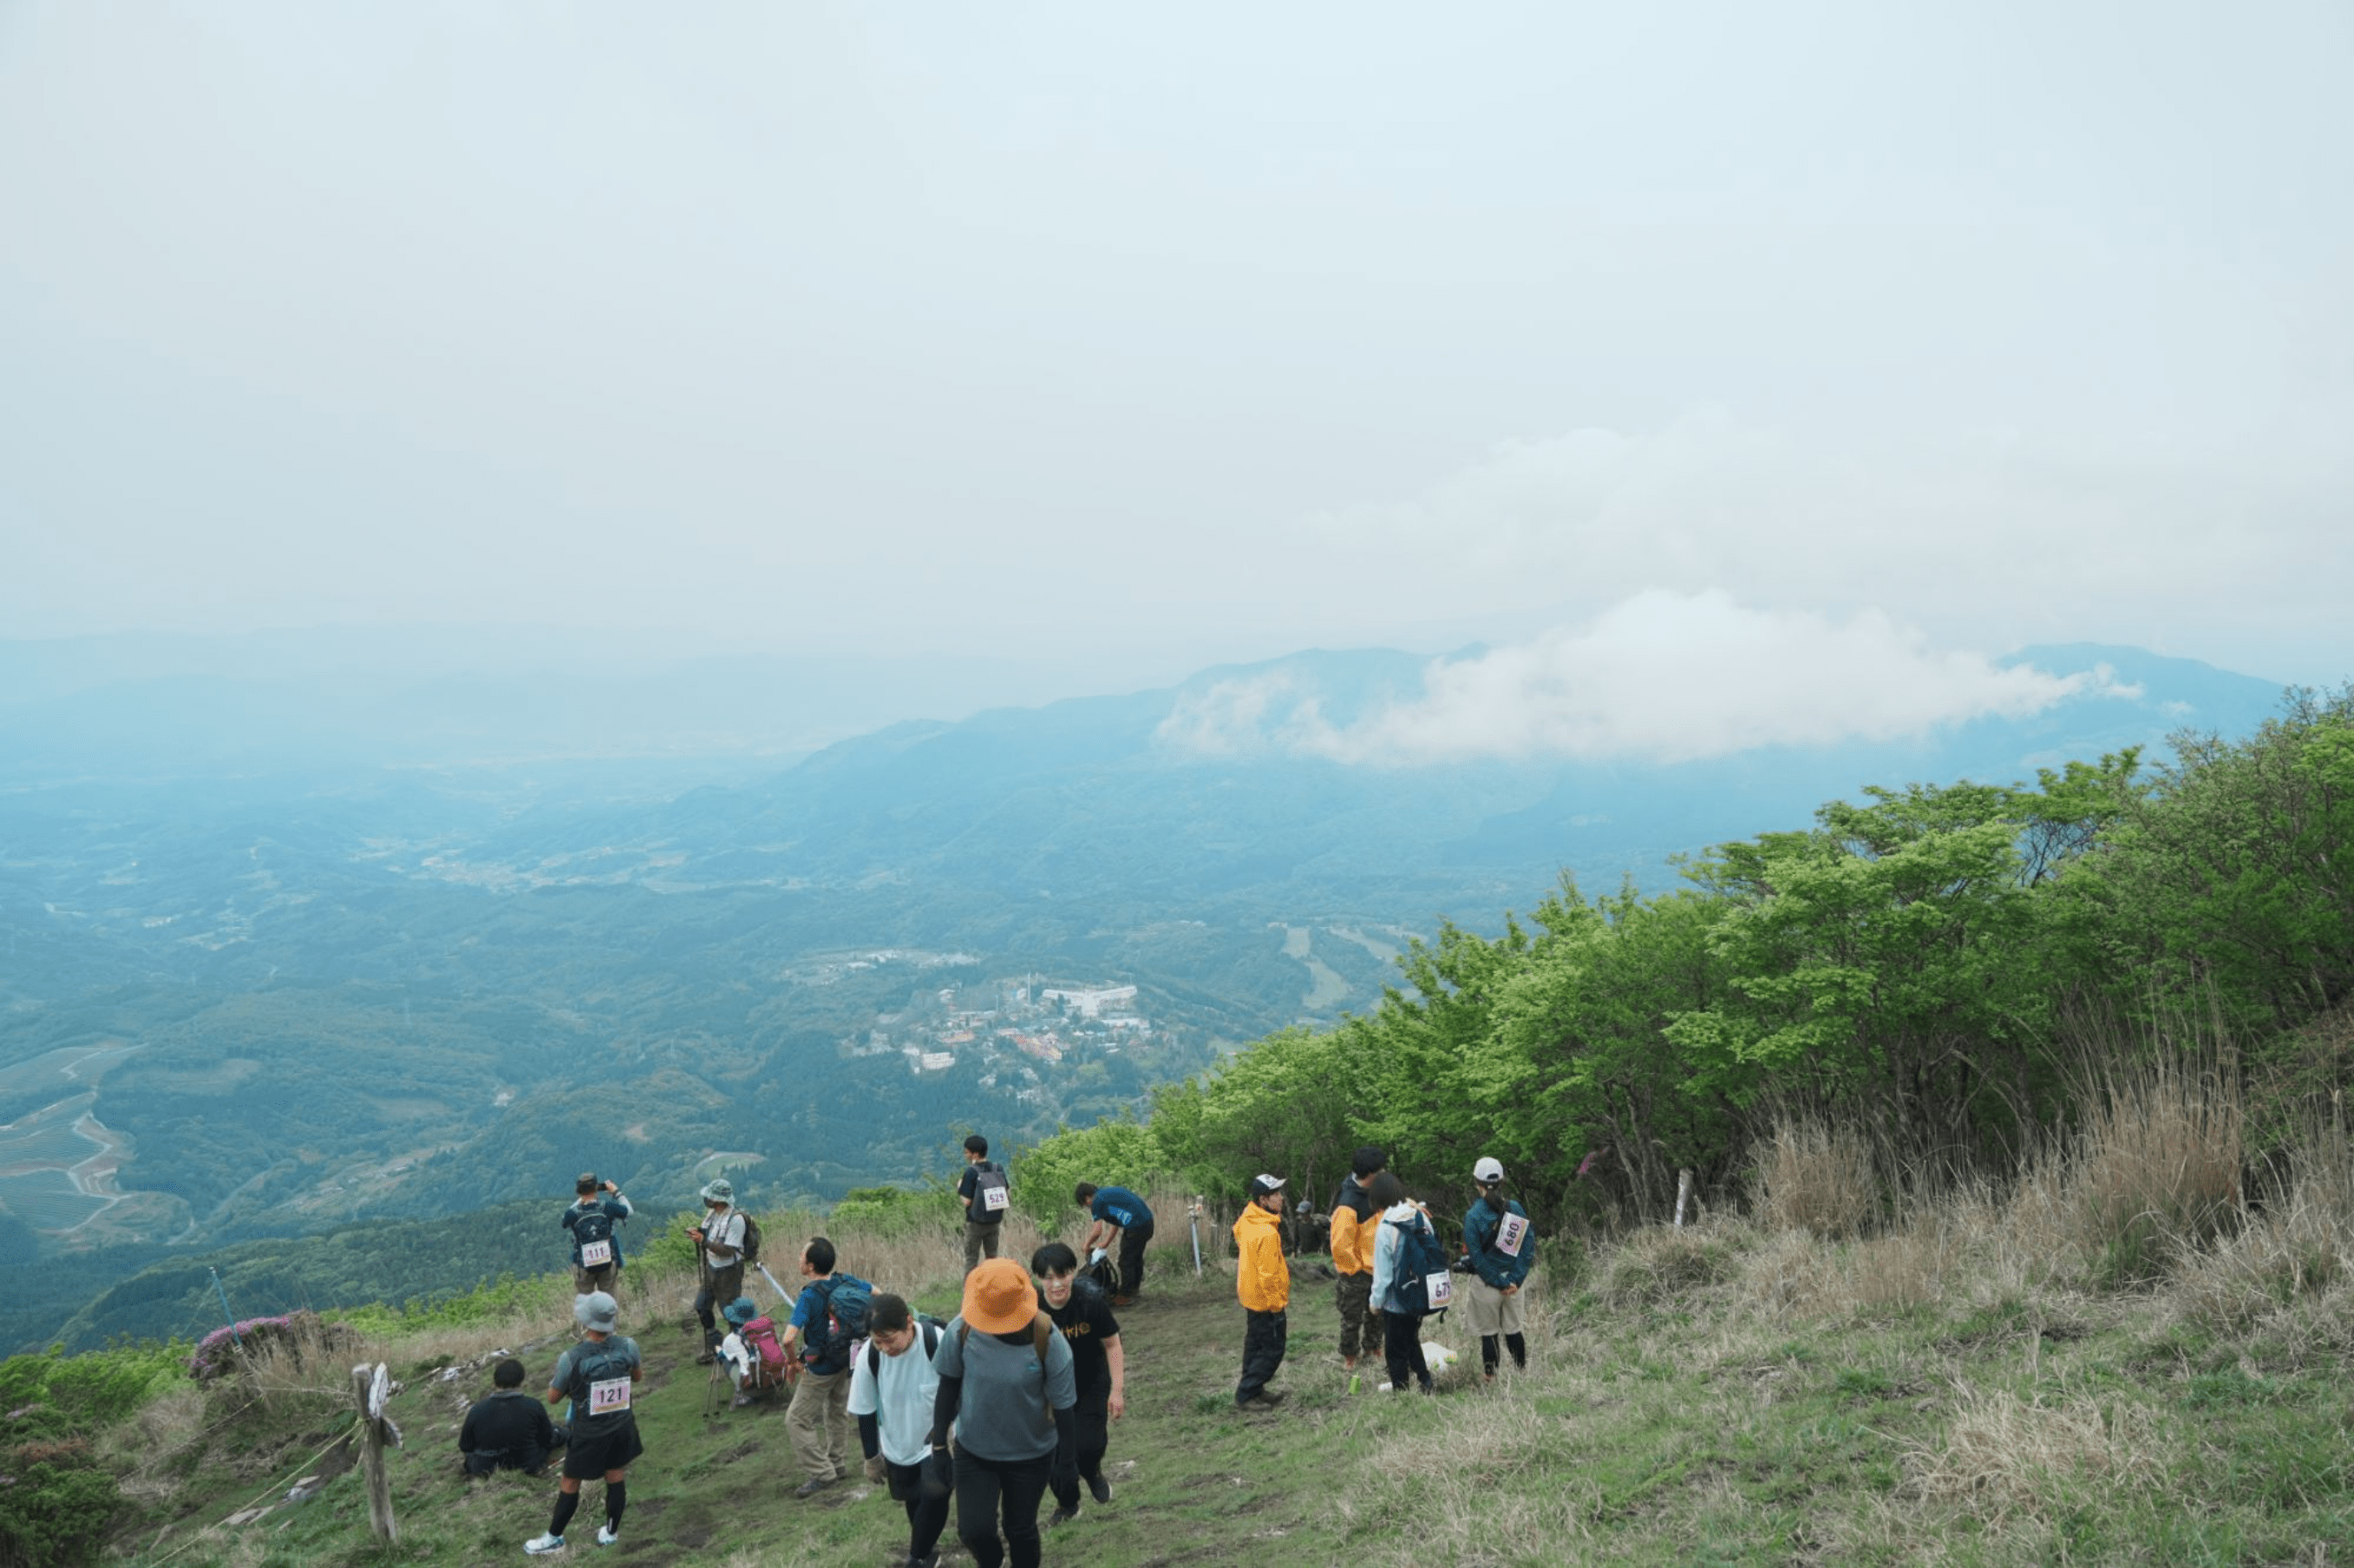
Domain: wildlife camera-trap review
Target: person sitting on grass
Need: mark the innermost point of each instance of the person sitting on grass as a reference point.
(598, 1374)
(508, 1429)
(1006, 1383)
(893, 1387)
(1118, 1218)
(1099, 1367)
(1401, 1329)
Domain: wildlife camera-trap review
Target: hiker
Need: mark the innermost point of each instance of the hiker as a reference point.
(1099, 1366)
(719, 1260)
(507, 1429)
(1352, 1257)
(1263, 1284)
(598, 1374)
(1006, 1382)
(1119, 1218)
(982, 1192)
(830, 1314)
(1399, 1291)
(596, 1247)
(1497, 1237)
(893, 1387)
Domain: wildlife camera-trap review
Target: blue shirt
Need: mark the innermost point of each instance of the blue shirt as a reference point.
(810, 1313)
(1122, 1208)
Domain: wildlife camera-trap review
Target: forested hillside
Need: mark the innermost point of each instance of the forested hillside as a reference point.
(1945, 972)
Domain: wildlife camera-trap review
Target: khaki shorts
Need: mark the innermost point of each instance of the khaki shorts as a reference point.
(600, 1278)
(1489, 1311)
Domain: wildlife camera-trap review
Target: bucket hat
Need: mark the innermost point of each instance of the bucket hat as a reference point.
(999, 1298)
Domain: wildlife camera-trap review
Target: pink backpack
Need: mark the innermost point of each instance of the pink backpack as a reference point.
(760, 1333)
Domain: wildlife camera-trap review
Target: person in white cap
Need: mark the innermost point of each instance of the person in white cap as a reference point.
(1497, 1237)
(598, 1375)
(1263, 1284)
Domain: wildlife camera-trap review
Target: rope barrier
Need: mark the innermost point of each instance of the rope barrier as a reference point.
(344, 1436)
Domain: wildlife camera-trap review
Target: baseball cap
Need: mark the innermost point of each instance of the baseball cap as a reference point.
(1262, 1185)
(1488, 1170)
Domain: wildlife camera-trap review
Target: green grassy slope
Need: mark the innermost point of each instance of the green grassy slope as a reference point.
(1722, 1397)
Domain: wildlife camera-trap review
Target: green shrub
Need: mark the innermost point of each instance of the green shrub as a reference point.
(895, 1214)
(57, 1505)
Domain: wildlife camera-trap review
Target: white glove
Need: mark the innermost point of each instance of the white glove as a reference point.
(1096, 1257)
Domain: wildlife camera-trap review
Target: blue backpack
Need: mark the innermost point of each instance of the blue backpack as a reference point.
(1424, 1284)
(847, 1305)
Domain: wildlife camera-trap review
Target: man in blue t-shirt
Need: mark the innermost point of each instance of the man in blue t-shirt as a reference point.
(1120, 1218)
(818, 1419)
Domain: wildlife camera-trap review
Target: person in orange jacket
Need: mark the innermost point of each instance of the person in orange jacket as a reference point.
(1263, 1283)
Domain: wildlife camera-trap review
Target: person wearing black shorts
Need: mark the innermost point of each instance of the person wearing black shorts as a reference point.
(598, 1375)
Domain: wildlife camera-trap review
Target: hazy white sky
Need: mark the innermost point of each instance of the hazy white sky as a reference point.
(1155, 337)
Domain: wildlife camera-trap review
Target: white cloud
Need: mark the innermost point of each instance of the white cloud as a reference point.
(1663, 677)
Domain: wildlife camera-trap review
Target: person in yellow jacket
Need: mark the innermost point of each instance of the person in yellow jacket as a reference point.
(1263, 1282)
(1355, 1222)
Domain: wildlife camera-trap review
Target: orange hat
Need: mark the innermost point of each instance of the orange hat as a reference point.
(997, 1298)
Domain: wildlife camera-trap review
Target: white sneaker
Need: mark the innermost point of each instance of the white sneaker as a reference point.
(605, 1536)
(1384, 1388)
(541, 1545)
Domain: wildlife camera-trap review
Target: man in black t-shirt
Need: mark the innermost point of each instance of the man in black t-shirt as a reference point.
(1098, 1365)
(509, 1430)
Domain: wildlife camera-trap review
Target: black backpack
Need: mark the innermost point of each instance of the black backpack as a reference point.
(751, 1254)
(592, 1225)
(603, 1362)
(1424, 1284)
(930, 1327)
(848, 1301)
(989, 1177)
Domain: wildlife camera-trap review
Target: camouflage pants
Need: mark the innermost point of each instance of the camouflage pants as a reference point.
(1353, 1295)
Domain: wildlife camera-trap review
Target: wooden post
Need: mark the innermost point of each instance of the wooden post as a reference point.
(372, 1387)
(1683, 1195)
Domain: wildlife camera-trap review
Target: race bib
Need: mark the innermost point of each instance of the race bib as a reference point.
(596, 1254)
(1439, 1288)
(610, 1396)
(993, 1199)
(1509, 1232)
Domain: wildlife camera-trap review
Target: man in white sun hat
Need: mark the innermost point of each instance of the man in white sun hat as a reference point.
(1496, 1235)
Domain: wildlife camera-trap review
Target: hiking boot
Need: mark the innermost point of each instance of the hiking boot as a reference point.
(1099, 1487)
(1061, 1516)
(707, 1358)
(739, 1402)
(607, 1536)
(1123, 1300)
(1271, 1397)
(541, 1545)
(929, 1560)
(809, 1489)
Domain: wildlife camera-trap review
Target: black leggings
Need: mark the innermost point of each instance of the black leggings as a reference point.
(927, 1517)
(980, 1486)
(1402, 1347)
(1094, 1414)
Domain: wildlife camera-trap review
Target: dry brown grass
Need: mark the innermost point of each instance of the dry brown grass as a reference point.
(2156, 1166)
(2298, 1245)
(2002, 1454)
(1817, 1177)
(1659, 1264)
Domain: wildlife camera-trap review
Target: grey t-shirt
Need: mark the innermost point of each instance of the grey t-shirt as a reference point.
(1007, 1408)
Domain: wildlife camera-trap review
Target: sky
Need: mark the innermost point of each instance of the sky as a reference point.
(1853, 342)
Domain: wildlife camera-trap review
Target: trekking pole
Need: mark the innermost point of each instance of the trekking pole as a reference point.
(783, 1295)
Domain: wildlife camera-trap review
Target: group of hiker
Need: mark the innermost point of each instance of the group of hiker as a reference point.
(1011, 1400)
